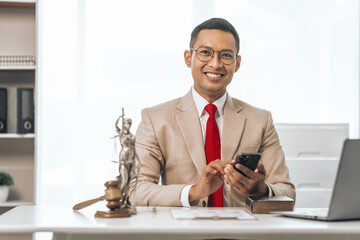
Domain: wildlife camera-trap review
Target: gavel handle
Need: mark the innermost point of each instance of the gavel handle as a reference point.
(87, 203)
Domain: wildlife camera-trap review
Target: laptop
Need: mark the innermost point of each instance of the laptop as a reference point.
(345, 199)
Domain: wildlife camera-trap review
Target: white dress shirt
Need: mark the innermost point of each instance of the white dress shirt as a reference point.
(200, 104)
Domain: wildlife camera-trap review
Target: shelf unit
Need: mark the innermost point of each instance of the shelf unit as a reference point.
(12, 68)
(15, 135)
(17, 151)
(312, 153)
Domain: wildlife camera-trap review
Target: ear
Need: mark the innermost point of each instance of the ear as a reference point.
(187, 58)
(238, 61)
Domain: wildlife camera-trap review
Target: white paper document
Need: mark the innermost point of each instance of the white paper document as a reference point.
(191, 213)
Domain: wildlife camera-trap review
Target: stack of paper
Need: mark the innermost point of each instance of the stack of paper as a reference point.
(191, 213)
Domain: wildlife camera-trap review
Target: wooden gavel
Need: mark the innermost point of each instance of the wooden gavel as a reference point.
(112, 195)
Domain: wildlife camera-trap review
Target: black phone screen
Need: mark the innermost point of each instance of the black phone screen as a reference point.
(249, 160)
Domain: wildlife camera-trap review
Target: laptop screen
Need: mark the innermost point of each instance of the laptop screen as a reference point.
(345, 201)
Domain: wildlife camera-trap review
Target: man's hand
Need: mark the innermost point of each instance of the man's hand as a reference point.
(212, 178)
(253, 184)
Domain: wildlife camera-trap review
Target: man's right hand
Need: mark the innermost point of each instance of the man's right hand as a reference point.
(212, 178)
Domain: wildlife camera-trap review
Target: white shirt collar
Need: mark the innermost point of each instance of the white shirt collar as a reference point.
(201, 102)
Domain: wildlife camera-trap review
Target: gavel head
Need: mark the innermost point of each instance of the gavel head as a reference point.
(112, 194)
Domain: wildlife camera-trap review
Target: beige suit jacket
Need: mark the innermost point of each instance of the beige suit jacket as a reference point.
(169, 143)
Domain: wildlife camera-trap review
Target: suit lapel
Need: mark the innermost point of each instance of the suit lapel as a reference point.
(233, 126)
(190, 128)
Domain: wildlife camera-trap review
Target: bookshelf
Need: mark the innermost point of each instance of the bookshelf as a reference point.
(12, 68)
(17, 150)
(312, 153)
(15, 135)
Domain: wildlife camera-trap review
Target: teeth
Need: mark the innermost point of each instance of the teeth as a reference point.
(213, 75)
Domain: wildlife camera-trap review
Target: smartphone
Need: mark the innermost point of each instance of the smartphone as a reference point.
(249, 160)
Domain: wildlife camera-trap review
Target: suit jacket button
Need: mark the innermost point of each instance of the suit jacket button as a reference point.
(203, 203)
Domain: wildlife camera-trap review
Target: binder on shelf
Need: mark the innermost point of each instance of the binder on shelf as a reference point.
(25, 110)
(3, 110)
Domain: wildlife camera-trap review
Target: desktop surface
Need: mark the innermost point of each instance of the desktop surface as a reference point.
(68, 224)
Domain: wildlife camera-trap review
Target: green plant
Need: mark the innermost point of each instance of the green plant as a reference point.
(6, 179)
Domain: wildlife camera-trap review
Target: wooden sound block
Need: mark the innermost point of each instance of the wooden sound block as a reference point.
(119, 213)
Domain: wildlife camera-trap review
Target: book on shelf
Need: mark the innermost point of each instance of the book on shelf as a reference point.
(266, 204)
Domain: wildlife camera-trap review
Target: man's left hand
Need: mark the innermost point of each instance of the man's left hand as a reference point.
(253, 184)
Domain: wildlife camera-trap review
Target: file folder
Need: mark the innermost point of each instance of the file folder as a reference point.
(3, 110)
(25, 110)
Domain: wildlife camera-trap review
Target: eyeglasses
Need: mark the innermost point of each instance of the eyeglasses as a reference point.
(205, 54)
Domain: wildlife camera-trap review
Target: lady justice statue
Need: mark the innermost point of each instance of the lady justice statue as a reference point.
(128, 161)
(117, 192)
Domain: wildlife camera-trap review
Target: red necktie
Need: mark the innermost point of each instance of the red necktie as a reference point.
(212, 151)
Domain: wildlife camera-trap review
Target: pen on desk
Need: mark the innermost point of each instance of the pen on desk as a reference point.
(215, 218)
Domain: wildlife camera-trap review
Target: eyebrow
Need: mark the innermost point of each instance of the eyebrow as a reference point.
(220, 50)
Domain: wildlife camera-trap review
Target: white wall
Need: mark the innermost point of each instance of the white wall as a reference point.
(300, 59)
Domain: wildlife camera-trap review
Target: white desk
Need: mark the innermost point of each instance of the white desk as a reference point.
(66, 224)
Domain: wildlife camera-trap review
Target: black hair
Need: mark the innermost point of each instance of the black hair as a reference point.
(215, 23)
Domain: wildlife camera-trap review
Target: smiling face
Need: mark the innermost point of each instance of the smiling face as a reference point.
(211, 78)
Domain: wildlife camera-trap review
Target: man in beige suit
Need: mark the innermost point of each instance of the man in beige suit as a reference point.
(170, 138)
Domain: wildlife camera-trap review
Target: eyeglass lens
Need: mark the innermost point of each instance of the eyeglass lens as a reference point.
(205, 54)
